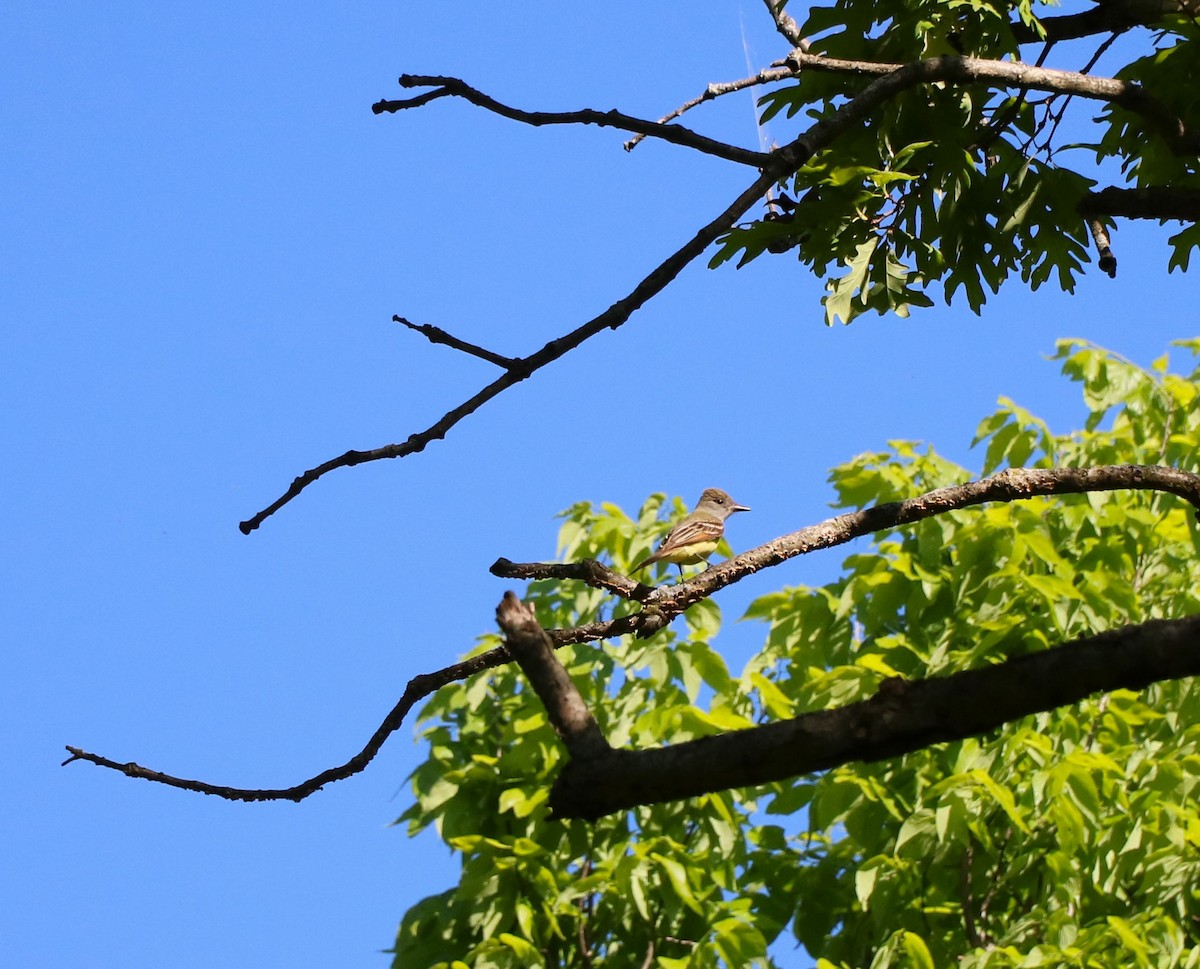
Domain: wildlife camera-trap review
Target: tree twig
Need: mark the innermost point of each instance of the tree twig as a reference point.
(767, 76)
(1106, 260)
(435, 334)
(613, 317)
(588, 571)
(676, 134)
(418, 688)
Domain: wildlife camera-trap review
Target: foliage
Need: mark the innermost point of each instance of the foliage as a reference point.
(962, 184)
(1069, 838)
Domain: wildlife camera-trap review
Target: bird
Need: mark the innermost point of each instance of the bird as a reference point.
(696, 537)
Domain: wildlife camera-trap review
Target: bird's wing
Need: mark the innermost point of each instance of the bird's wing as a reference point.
(690, 532)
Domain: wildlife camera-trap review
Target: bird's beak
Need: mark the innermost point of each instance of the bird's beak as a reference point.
(738, 508)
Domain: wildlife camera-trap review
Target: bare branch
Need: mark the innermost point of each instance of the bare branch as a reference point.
(661, 605)
(666, 602)
(894, 78)
(768, 76)
(611, 318)
(588, 571)
(902, 717)
(435, 334)
(418, 688)
(532, 649)
(676, 134)
(787, 27)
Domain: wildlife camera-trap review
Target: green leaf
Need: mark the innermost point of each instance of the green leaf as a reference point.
(677, 877)
(917, 951)
(1070, 837)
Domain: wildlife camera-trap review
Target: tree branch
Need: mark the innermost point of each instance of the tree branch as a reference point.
(534, 652)
(1107, 16)
(1106, 260)
(676, 134)
(890, 80)
(435, 334)
(768, 76)
(787, 27)
(902, 717)
(588, 571)
(418, 688)
(1151, 202)
(613, 317)
(662, 604)
(895, 78)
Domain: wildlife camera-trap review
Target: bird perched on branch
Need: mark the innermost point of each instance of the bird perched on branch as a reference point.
(696, 537)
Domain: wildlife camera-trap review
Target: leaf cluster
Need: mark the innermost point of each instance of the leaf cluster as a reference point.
(962, 185)
(1069, 838)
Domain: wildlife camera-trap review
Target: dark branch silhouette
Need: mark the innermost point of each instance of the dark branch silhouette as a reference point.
(1149, 202)
(435, 334)
(417, 689)
(676, 134)
(521, 368)
(1107, 16)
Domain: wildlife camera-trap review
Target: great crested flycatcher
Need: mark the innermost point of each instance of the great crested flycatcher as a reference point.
(696, 537)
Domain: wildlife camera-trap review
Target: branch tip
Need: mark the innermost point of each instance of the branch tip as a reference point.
(435, 334)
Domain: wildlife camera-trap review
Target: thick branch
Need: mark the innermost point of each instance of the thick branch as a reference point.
(676, 134)
(902, 717)
(1108, 16)
(1152, 202)
(532, 649)
(895, 78)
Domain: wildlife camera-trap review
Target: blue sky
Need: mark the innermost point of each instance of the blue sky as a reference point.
(207, 232)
